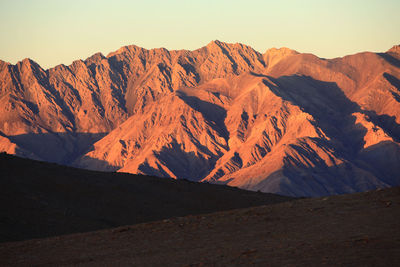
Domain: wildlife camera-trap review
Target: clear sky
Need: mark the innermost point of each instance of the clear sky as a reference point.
(52, 32)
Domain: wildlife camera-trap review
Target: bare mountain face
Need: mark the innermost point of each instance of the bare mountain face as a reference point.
(281, 122)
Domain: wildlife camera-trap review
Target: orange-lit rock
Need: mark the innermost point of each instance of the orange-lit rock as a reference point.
(281, 121)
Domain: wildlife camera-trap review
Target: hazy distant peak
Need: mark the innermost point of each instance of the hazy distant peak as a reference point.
(281, 51)
(96, 58)
(220, 44)
(27, 61)
(214, 42)
(78, 62)
(126, 49)
(274, 55)
(28, 64)
(395, 49)
(217, 44)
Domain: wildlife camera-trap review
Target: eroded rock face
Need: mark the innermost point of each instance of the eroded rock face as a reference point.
(281, 122)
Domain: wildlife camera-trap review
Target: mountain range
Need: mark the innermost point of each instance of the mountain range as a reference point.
(282, 122)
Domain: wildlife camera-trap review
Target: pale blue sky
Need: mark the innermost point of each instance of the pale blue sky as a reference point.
(52, 32)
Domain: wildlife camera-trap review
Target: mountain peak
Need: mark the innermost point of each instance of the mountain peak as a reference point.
(216, 45)
(29, 64)
(224, 44)
(281, 51)
(96, 58)
(395, 49)
(274, 55)
(125, 49)
(27, 61)
(214, 42)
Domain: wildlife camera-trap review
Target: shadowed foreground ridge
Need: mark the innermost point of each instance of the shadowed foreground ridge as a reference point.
(39, 199)
(350, 230)
(280, 121)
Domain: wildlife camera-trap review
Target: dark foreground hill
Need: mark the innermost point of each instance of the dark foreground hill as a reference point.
(40, 199)
(348, 230)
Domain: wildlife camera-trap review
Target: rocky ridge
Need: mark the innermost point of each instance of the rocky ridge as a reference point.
(281, 122)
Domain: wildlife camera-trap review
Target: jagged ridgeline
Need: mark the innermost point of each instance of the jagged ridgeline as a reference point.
(281, 122)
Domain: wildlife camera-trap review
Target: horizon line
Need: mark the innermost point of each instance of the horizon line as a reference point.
(189, 50)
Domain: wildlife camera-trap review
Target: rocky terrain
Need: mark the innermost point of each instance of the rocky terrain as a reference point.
(281, 122)
(347, 230)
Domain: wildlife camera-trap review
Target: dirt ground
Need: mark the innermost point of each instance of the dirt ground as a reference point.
(349, 230)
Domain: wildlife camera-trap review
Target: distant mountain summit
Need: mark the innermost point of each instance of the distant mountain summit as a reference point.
(281, 122)
(395, 49)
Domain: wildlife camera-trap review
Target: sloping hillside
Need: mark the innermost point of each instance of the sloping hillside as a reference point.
(39, 199)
